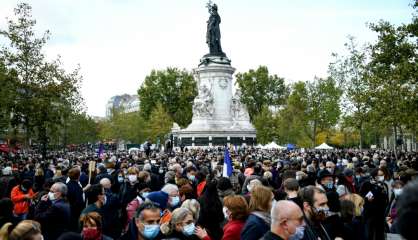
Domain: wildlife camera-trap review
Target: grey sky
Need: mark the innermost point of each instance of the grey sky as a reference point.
(118, 42)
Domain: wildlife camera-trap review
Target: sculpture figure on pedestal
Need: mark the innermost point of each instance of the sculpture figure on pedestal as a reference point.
(238, 110)
(213, 34)
(203, 104)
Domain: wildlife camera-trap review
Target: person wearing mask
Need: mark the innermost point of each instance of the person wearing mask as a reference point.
(236, 212)
(375, 193)
(21, 196)
(143, 191)
(128, 190)
(211, 216)
(391, 211)
(353, 226)
(194, 207)
(330, 166)
(182, 226)
(259, 220)
(26, 230)
(75, 196)
(146, 223)
(92, 227)
(315, 210)
(53, 212)
(286, 222)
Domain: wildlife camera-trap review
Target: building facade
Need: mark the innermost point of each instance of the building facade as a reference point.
(126, 103)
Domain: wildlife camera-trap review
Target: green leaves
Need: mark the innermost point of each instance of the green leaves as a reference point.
(259, 89)
(45, 95)
(174, 89)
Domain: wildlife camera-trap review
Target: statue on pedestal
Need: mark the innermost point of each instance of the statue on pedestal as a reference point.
(213, 34)
(238, 110)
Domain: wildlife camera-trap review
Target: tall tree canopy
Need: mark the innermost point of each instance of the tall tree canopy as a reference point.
(174, 89)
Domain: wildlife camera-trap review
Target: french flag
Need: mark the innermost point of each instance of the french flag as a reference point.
(227, 169)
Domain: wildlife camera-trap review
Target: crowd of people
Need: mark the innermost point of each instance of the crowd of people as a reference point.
(338, 194)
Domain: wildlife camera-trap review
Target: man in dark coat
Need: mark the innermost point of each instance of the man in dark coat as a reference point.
(75, 197)
(53, 212)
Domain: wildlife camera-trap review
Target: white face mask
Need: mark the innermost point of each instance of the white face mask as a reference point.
(132, 178)
(225, 211)
(51, 196)
(380, 178)
(397, 191)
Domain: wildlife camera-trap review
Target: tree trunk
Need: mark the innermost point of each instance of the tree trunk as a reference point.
(361, 135)
(314, 135)
(396, 137)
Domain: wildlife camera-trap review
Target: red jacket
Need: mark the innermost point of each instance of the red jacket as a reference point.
(232, 230)
(21, 204)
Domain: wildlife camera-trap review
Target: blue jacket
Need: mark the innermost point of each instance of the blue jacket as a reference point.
(254, 228)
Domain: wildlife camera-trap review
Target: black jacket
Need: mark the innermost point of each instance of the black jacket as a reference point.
(54, 218)
(271, 236)
(76, 201)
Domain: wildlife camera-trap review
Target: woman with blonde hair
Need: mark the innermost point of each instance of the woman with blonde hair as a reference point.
(194, 207)
(358, 203)
(182, 226)
(259, 220)
(26, 230)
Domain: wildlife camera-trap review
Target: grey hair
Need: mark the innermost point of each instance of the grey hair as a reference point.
(194, 207)
(62, 188)
(169, 188)
(178, 215)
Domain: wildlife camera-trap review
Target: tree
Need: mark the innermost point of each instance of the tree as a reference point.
(45, 95)
(159, 124)
(80, 123)
(174, 89)
(350, 72)
(393, 76)
(265, 124)
(292, 119)
(259, 89)
(323, 111)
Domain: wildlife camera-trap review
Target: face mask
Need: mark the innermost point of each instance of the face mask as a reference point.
(160, 171)
(225, 211)
(23, 189)
(132, 178)
(145, 194)
(330, 170)
(298, 177)
(188, 230)
(397, 191)
(380, 178)
(151, 231)
(120, 179)
(51, 196)
(249, 188)
(91, 233)
(329, 185)
(192, 177)
(175, 201)
(104, 200)
(298, 234)
(320, 213)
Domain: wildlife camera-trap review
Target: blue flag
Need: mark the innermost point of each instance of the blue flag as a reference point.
(227, 169)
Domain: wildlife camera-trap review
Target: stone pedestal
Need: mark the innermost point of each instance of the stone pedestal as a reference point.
(218, 116)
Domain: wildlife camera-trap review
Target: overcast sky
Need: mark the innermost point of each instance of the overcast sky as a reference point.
(118, 42)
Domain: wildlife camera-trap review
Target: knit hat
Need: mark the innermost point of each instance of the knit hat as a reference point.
(160, 198)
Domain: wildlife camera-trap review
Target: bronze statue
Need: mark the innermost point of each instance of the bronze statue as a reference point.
(213, 34)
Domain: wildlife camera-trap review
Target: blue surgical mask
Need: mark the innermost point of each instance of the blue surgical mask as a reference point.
(192, 177)
(188, 230)
(175, 201)
(151, 231)
(120, 179)
(298, 234)
(329, 185)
